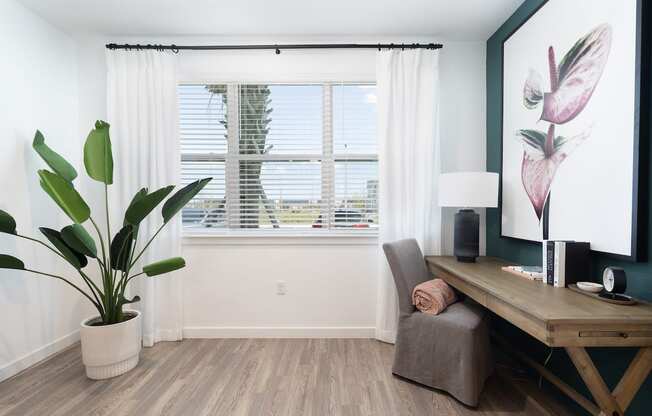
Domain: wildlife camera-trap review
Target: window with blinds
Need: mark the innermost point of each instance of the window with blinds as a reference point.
(282, 157)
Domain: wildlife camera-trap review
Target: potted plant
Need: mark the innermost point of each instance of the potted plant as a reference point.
(111, 341)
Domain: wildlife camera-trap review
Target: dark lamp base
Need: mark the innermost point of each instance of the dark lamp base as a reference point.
(466, 259)
(467, 236)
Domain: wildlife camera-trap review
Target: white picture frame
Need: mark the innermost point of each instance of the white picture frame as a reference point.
(570, 134)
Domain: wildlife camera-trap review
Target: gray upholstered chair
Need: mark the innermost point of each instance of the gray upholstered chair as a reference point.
(449, 351)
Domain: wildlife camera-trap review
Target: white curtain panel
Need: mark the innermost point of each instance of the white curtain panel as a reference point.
(142, 111)
(408, 136)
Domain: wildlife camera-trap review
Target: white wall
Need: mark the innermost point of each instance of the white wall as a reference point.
(230, 283)
(462, 121)
(38, 80)
(230, 287)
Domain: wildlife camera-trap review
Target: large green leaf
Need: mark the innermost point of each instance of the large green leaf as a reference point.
(137, 197)
(75, 258)
(7, 223)
(54, 160)
(164, 266)
(11, 262)
(97, 153)
(121, 248)
(78, 238)
(144, 204)
(182, 197)
(65, 196)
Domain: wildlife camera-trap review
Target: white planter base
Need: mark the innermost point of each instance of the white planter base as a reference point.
(111, 350)
(111, 370)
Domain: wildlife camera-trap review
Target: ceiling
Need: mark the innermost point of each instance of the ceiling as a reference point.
(447, 19)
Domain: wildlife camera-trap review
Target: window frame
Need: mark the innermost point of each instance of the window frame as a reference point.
(232, 158)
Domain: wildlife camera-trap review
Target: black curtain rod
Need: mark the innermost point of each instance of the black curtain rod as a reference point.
(277, 48)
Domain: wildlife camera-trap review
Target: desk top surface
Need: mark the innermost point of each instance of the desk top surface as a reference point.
(547, 303)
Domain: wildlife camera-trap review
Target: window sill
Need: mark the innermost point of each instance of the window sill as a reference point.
(292, 238)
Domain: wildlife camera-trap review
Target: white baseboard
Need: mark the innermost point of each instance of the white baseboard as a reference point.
(38, 355)
(277, 332)
(162, 335)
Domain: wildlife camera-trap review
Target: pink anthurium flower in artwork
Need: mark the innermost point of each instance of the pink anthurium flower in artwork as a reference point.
(572, 82)
(542, 155)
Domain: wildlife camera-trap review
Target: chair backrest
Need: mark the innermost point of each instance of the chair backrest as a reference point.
(409, 269)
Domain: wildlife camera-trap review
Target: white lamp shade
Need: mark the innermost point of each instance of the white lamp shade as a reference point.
(468, 189)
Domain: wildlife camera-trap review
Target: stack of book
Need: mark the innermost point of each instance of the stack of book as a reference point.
(565, 262)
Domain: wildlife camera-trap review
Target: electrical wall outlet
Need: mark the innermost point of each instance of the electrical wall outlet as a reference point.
(281, 287)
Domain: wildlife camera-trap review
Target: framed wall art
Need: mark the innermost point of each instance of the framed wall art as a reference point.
(571, 115)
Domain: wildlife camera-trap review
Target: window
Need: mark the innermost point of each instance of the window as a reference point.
(282, 157)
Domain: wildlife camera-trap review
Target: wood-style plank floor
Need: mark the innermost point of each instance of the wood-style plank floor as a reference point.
(251, 377)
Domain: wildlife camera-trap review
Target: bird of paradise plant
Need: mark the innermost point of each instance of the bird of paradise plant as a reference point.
(117, 257)
(572, 84)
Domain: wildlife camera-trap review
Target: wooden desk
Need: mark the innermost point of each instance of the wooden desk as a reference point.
(559, 317)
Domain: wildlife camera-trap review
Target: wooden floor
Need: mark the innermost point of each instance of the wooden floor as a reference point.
(253, 377)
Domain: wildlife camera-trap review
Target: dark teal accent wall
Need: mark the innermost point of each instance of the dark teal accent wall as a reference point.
(611, 362)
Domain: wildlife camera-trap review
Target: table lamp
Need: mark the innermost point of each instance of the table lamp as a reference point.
(468, 190)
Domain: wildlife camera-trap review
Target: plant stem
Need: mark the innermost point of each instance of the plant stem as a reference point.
(125, 279)
(86, 279)
(135, 275)
(105, 270)
(100, 264)
(147, 245)
(43, 244)
(99, 236)
(92, 286)
(118, 288)
(546, 218)
(67, 281)
(552, 67)
(108, 228)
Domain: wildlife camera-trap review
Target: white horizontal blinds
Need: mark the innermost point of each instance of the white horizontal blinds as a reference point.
(202, 114)
(208, 208)
(202, 126)
(281, 119)
(280, 150)
(356, 194)
(279, 194)
(293, 157)
(355, 157)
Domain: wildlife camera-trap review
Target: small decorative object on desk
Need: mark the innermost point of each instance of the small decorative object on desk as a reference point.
(614, 282)
(590, 287)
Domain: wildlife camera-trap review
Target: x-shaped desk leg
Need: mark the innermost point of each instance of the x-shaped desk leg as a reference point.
(612, 403)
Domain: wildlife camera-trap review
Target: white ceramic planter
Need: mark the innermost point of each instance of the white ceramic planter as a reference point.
(111, 350)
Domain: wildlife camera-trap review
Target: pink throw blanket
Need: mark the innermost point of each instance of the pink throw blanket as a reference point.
(433, 296)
